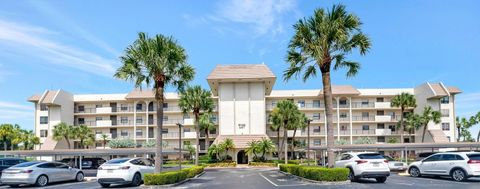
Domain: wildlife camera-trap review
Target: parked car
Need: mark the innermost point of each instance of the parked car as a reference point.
(423, 155)
(124, 171)
(40, 173)
(87, 163)
(395, 165)
(365, 165)
(458, 165)
(8, 162)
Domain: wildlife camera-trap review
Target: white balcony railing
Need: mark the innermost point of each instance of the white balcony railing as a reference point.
(190, 134)
(383, 118)
(104, 123)
(383, 132)
(103, 110)
(382, 105)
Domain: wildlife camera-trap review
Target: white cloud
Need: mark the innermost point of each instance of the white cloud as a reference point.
(10, 111)
(468, 104)
(38, 42)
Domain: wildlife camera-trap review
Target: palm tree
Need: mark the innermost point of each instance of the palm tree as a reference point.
(83, 133)
(6, 136)
(63, 131)
(197, 100)
(104, 139)
(16, 137)
(275, 126)
(158, 62)
(207, 125)
(266, 146)
(28, 138)
(478, 121)
(214, 151)
(253, 147)
(301, 123)
(427, 116)
(403, 101)
(320, 41)
(285, 114)
(227, 145)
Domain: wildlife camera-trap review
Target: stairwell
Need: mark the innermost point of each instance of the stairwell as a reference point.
(438, 136)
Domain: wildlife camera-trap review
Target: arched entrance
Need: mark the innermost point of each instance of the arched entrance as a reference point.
(242, 157)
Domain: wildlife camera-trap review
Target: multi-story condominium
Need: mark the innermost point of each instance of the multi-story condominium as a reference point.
(244, 98)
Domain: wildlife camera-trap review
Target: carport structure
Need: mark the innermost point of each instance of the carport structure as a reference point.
(403, 147)
(89, 152)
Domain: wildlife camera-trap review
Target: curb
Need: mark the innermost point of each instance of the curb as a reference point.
(315, 181)
(174, 184)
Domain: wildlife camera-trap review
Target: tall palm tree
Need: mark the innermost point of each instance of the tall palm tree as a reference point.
(427, 116)
(458, 125)
(156, 62)
(403, 101)
(63, 131)
(319, 41)
(276, 124)
(83, 133)
(285, 114)
(478, 121)
(6, 135)
(197, 100)
(206, 124)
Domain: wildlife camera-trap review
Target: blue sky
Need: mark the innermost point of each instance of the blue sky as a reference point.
(75, 45)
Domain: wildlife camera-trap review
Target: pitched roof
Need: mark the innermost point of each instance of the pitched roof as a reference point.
(454, 90)
(241, 71)
(34, 98)
(438, 89)
(240, 141)
(49, 97)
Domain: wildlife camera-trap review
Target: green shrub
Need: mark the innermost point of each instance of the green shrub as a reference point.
(262, 164)
(316, 173)
(172, 177)
(221, 164)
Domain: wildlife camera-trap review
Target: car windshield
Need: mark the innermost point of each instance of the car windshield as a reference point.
(26, 164)
(370, 156)
(473, 156)
(388, 158)
(117, 161)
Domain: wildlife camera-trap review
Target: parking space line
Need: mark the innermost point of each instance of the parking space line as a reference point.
(274, 184)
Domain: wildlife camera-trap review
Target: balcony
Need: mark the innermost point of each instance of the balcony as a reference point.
(383, 118)
(290, 133)
(383, 132)
(99, 137)
(103, 110)
(363, 105)
(363, 118)
(382, 105)
(104, 123)
(190, 135)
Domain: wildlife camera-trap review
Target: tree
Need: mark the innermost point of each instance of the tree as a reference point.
(197, 100)
(104, 138)
(427, 116)
(341, 142)
(412, 122)
(275, 126)
(191, 150)
(16, 137)
(284, 115)
(6, 135)
(477, 118)
(157, 62)
(463, 126)
(28, 138)
(226, 146)
(266, 146)
(207, 125)
(301, 123)
(83, 133)
(121, 143)
(319, 41)
(215, 151)
(403, 101)
(63, 131)
(364, 140)
(253, 147)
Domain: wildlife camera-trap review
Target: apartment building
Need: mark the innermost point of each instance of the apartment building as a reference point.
(244, 98)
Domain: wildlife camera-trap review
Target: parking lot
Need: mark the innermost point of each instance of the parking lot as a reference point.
(271, 178)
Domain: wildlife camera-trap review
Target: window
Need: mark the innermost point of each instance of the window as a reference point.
(343, 102)
(61, 166)
(450, 157)
(186, 116)
(213, 118)
(392, 127)
(316, 142)
(43, 133)
(98, 106)
(346, 157)
(371, 156)
(446, 126)
(123, 107)
(98, 119)
(165, 118)
(47, 166)
(165, 105)
(301, 103)
(81, 108)
(43, 107)
(365, 127)
(316, 116)
(43, 119)
(445, 112)
(274, 103)
(380, 126)
(139, 106)
(139, 132)
(164, 131)
(81, 120)
(380, 112)
(433, 158)
(139, 120)
(186, 130)
(380, 99)
(98, 132)
(316, 103)
(124, 133)
(343, 127)
(365, 102)
(343, 115)
(445, 100)
(316, 129)
(124, 120)
(365, 115)
(380, 139)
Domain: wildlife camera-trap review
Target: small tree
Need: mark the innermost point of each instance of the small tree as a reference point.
(227, 145)
(83, 133)
(427, 116)
(63, 131)
(191, 151)
(104, 138)
(341, 142)
(253, 147)
(392, 140)
(215, 151)
(121, 143)
(266, 146)
(364, 140)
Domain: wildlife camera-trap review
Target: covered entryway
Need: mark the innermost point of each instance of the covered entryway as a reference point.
(242, 157)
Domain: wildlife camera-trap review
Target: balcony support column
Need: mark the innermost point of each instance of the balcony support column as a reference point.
(135, 121)
(350, 115)
(338, 117)
(146, 120)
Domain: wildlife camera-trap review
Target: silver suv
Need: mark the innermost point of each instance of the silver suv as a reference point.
(458, 165)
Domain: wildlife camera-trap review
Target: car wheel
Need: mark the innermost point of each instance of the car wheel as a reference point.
(459, 175)
(104, 185)
(351, 176)
(79, 177)
(414, 172)
(381, 179)
(136, 180)
(42, 180)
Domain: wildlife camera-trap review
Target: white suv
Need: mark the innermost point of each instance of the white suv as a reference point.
(364, 165)
(458, 165)
(124, 171)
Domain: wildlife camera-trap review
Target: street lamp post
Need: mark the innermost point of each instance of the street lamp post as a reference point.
(308, 141)
(179, 146)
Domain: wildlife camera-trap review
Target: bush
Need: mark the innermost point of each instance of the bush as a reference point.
(316, 173)
(172, 177)
(221, 164)
(121, 143)
(262, 164)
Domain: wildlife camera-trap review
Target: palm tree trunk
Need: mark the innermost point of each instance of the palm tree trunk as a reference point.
(158, 138)
(207, 142)
(68, 142)
(197, 149)
(401, 124)
(459, 135)
(285, 137)
(424, 131)
(278, 143)
(327, 97)
(293, 143)
(478, 136)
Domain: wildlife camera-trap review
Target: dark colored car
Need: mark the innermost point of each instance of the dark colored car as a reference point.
(8, 162)
(87, 163)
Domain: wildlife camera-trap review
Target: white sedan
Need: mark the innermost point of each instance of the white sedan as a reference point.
(395, 165)
(124, 171)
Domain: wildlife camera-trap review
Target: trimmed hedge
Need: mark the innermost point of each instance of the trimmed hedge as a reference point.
(172, 177)
(262, 164)
(316, 173)
(221, 164)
